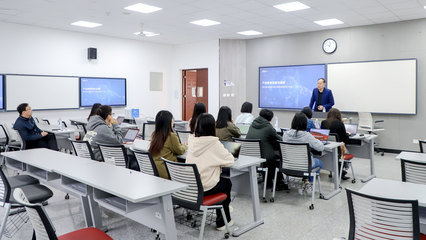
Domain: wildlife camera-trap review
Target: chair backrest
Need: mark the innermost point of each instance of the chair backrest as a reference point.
(249, 147)
(183, 135)
(414, 172)
(11, 133)
(365, 120)
(146, 163)
(374, 217)
(20, 139)
(41, 223)
(114, 154)
(4, 189)
(82, 149)
(4, 135)
(421, 143)
(147, 130)
(295, 159)
(191, 197)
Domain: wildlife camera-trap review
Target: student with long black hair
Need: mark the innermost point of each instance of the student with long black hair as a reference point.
(206, 151)
(199, 108)
(94, 109)
(225, 128)
(165, 142)
(245, 118)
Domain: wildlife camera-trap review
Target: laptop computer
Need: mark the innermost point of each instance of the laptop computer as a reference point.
(352, 129)
(243, 128)
(232, 147)
(131, 135)
(321, 134)
(120, 119)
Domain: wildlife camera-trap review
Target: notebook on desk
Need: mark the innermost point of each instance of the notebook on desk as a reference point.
(131, 135)
(321, 134)
(352, 129)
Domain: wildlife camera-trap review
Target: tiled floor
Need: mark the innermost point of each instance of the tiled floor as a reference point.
(287, 218)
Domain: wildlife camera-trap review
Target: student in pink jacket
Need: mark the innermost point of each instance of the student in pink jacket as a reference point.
(206, 151)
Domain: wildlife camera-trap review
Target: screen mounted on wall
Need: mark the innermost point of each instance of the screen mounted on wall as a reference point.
(107, 91)
(288, 87)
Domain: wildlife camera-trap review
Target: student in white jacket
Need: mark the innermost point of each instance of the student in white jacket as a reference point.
(245, 118)
(206, 151)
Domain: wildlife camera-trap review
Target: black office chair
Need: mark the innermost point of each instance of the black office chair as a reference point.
(114, 154)
(82, 149)
(146, 163)
(414, 172)
(421, 143)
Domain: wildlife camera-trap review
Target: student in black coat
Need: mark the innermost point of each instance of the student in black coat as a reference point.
(335, 124)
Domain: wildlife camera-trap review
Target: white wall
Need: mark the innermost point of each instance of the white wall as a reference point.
(33, 50)
(192, 56)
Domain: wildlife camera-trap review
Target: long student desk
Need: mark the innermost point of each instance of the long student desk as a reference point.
(84, 122)
(412, 156)
(364, 150)
(243, 171)
(330, 159)
(140, 197)
(399, 190)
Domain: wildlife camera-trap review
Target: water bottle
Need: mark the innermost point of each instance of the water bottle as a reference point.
(60, 123)
(276, 122)
(317, 123)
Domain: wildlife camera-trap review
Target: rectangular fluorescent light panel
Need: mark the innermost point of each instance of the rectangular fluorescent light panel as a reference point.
(291, 6)
(86, 24)
(250, 33)
(205, 22)
(328, 22)
(147, 34)
(143, 8)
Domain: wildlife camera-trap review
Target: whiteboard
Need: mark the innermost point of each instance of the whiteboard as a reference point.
(378, 87)
(42, 92)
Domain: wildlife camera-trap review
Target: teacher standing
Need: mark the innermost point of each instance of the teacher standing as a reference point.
(322, 97)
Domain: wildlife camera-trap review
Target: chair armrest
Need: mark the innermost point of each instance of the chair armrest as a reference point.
(379, 121)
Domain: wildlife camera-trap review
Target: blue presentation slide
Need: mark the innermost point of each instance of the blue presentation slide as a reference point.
(106, 91)
(288, 87)
(1, 92)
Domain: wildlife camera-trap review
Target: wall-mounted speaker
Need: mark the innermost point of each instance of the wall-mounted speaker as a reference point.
(92, 53)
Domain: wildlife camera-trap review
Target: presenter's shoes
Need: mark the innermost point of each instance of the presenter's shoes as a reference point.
(230, 224)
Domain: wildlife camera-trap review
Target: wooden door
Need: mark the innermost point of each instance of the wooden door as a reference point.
(194, 89)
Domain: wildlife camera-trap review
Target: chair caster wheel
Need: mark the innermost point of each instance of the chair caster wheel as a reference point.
(157, 237)
(67, 196)
(311, 207)
(272, 199)
(226, 235)
(353, 181)
(153, 230)
(264, 200)
(321, 196)
(194, 224)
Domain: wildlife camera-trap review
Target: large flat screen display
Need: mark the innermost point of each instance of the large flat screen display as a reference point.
(1, 92)
(288, 87)
(106, 91)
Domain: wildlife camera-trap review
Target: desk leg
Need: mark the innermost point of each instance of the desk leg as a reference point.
(371, 153)
(336, 176)
(86, 211)
(169, 219)
(256, 205)
(96, 214)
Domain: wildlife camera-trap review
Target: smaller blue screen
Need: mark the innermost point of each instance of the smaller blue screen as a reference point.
(1, 93)
(106, 91)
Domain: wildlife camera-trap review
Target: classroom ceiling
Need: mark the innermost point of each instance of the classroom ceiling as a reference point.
(172, 22)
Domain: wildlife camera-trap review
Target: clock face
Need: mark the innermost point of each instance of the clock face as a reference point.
(329, 46)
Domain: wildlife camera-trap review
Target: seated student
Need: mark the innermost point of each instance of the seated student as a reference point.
(102, 128)
(30, 133)
(308, 113)
(225, 128)
(262, 129)
(165, 142)
(245, 118)
(94, 109)
(205, 150)
(298, 134)
(335, 124)
(199, 108)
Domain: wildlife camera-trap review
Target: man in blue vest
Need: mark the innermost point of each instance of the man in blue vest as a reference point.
(322, 97)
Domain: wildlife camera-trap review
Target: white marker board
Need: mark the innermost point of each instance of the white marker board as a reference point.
(378, 86)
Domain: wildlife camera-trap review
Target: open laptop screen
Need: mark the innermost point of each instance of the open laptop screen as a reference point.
(120, 119)
(131, 135)
(232, 147)
(351, 128)
(320, 134)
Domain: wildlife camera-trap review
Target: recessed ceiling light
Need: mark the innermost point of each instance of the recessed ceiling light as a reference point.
(147, 34)
(86, 24)
(143, 8)
(291, 6)
(328, 22)
(250, 33)
(205, 22)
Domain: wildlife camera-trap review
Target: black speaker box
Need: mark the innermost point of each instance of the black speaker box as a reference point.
(92, 53)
